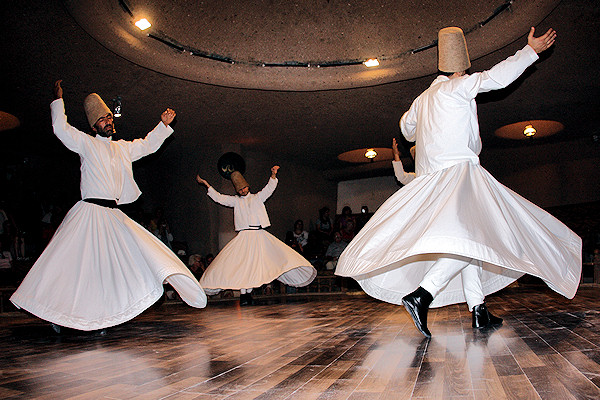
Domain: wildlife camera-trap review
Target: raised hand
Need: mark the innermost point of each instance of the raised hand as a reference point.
(395, 150)
(58, 91)
(168, 116)
(543, 42)
(274, 170)
(202, 181)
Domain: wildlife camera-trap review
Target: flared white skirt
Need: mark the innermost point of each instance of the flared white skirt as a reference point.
(461, 210)
(253, 258)
(101, 269)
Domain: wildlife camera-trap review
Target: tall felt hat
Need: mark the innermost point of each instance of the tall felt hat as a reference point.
(453, 55)
(95, 108)
(238, 181)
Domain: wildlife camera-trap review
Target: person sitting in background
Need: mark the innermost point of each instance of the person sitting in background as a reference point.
(342, 220)
(333, 251)
(324, 226)
(300, 235)
(347, 232)
(196, 264)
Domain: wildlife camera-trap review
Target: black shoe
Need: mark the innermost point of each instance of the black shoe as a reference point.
(417, 304)
(482, 318)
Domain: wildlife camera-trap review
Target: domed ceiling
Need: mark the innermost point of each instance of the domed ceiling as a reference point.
(299, 45)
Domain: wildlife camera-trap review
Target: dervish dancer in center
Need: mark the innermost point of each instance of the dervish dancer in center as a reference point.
(454, 232)
(254, 257)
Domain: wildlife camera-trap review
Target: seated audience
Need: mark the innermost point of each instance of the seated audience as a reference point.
(333, 251)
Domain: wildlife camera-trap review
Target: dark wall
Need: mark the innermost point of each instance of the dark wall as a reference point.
(207, 226)
(549, 175)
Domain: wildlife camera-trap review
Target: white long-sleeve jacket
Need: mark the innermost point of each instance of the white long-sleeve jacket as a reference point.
(443, 119)
(248, 211)
(106, 165)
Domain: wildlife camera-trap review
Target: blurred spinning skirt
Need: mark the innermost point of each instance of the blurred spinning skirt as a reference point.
(101, 269)
(460, 210)
(253, 258)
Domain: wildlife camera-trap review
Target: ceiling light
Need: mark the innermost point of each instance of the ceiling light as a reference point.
(143, 24)
(371, 62)
(117, 107)
(529, 131)
(370, 154)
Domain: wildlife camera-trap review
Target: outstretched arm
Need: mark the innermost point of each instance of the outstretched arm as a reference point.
(268, 190)
(142, 147)
(543, 42)
(505, 72)
(71, 137)
(223, 199)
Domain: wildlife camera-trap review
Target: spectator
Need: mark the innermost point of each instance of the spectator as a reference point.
(347, 232)
(300, 235)
(196, 264)
(334, 250)
(324, 224)
(342, 220)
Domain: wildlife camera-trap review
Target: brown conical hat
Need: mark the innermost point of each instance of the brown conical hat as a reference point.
(238, 181)
(95, 108)
(453, 55)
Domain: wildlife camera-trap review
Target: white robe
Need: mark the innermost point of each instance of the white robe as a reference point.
(254, 256)
(101, 268)
(454, 206)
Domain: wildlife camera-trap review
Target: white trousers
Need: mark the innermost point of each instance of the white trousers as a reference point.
(446, 268)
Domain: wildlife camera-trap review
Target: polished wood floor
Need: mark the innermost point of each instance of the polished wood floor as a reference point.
(344, 347)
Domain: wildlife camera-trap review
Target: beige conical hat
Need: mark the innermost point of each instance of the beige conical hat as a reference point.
(95, 108)
(238, 181)
(453, 55)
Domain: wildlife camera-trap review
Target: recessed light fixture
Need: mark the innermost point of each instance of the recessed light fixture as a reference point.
(525, 130)
(371, 62)
(143, 24)
(529, 131)
(370, 154)
(359, 155)
(117, 107)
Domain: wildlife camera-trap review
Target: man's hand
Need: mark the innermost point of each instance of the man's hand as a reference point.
(395, 151)
(274, 170)
(543, 42)
(58, 92)
(168, 116)
(202, 181)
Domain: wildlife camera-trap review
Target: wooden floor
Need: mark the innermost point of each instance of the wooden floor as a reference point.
(347, 347)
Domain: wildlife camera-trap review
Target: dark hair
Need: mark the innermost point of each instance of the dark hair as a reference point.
(346, 209)
(322, 212)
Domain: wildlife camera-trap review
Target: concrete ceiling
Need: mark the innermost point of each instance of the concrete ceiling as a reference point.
(306, 114)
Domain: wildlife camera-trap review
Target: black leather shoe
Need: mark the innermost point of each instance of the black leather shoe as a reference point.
(417, 304)
(482, 318)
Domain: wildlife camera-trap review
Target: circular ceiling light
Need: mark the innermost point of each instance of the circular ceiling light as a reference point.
(365, 155)
(529, 129)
